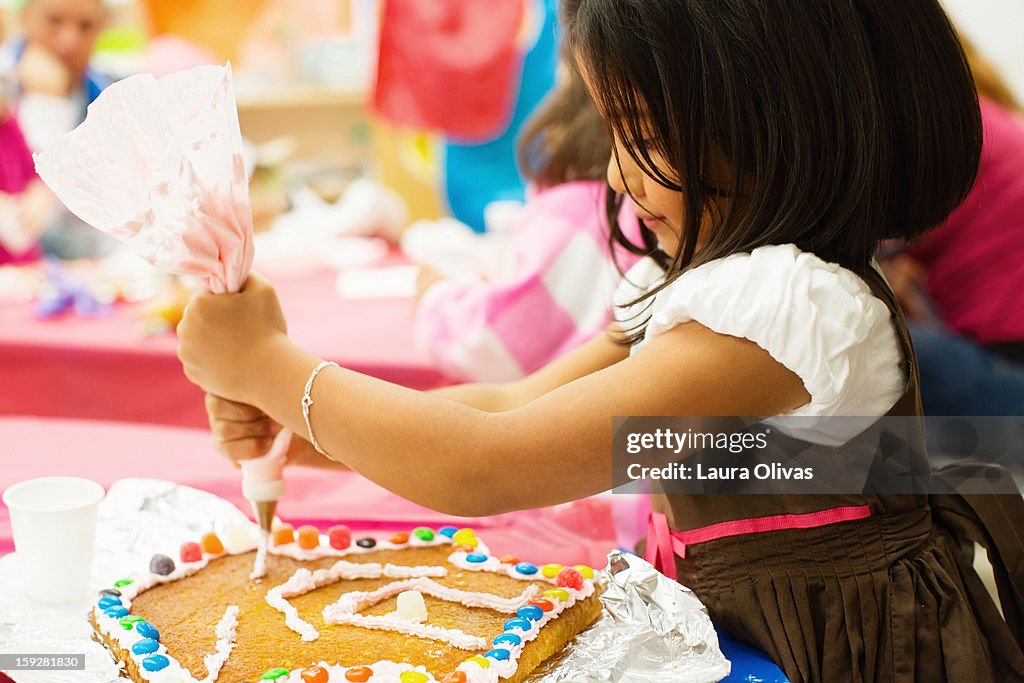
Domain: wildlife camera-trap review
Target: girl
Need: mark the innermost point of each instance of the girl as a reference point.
(768, 147)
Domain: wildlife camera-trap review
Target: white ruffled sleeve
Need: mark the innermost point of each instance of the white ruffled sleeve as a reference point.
(816, 318)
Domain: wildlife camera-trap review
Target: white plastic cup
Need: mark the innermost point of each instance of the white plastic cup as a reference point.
(53, 520)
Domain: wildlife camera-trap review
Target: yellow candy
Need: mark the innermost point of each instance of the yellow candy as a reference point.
(557, 594)
(413, 677)
(466, 537)
(587, 572)
(482, 661)
(551, 570)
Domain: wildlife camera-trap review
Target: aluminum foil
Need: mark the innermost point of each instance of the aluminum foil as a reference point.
(653, 628)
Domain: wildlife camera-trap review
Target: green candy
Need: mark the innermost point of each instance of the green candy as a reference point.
(129, 621)
(274, 674)
(122, 583)
(423, 533)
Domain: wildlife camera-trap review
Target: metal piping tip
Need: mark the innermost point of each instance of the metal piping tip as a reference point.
(264, 512)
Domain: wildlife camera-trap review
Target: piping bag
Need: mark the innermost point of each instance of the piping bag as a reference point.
(158, 164)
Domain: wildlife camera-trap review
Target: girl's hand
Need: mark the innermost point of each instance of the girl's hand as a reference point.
(425, 279)
(225, 341)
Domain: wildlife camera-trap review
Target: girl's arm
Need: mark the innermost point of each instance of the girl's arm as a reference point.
(456, 458)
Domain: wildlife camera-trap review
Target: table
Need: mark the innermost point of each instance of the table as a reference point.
(106, 369)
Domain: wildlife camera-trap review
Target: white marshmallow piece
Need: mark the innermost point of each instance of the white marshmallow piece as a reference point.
(411, 607)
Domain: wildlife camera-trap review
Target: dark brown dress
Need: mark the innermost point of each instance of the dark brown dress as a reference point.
(893, 597)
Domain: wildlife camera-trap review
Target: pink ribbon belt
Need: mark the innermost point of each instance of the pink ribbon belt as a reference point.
(663, 544)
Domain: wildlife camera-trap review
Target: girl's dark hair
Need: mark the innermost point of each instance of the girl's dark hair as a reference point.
(843, 122)
(565, 138)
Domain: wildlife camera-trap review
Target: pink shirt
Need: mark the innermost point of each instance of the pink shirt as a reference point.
(975, 261)
(16, 172)
(559, 296)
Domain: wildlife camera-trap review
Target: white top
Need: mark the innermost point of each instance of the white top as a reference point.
(818, 319)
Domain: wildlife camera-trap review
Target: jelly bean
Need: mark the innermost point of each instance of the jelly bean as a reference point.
(155, 663)
(455, 677)
(109, 601)
(366, 542)
(570, 578)
(550, 571)
(587, 572)
(359, 674)
(499, 654)
(400, 539)
(274, 674)
(482, 661)
(129, 621)
(146, 646)
(211, 544)
(545, 605)
(476, 558)
(526, 568)
(315, 674)
(309, 537)
(123, 582)
(190, 552)
(339, 537)
(161, 565)
(531, 612)
(116, 612)
(557, 594)
(423, 533)
(147, 630)
(283, 535)
(413, 677)
(110, 591)
(448, 531)
(509, 639)
(466, 537)
(518, 623)
(508, 559)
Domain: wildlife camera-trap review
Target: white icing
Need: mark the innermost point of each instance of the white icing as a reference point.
(226, 631)
(259, 565)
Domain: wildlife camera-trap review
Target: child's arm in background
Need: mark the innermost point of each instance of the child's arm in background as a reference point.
(453, 457)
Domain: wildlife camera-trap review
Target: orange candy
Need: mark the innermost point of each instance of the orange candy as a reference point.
(211, 544)
(508, 559)
(315, 674)
(309, 537)
(462, 548)
(399, 539)
(284, 534)
(358, 674)
(545, 605)
(455, 677)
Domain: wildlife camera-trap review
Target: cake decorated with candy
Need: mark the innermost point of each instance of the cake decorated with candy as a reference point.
(306, 607)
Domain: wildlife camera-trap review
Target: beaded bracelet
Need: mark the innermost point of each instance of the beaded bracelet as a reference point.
(307, 402)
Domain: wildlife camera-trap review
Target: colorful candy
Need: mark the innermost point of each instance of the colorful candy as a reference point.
(526, 568)
(455, 677)
(190, 552)
(123, 582)
(274, 674)
(283, 535)
(359, 674)
(559, 594)
(315, 674)
(400, 539)
(550, 571)
(466, 537)
(366, 542)
(339, 537)
(161, 565)
(155, 663)
(588, 572)
(410, 605)
(508, 559)
(500, 654)
(570, 578)
(309, 537)
(237, 538)
(116, 612)
(476, 558)
(211, 544)
(147, 630)
(545, 605)
(423, 533)
(531, 612)
(129, 621)
(448, 531)
(518, 623)
(109, 601)
(413, 677)
(482, 661)
(146, 646)
(510, 639)
(110, 591)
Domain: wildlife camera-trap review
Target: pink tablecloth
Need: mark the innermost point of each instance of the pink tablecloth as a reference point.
(106, 369)
(581, 532)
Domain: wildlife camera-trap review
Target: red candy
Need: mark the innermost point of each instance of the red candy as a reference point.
(340, 538)
(399, 539)
(358, 674)
(455, 677)
(191, 552)
(315, 674)
(309, 537)
(570, 578)
(545, 605)
(211, 544)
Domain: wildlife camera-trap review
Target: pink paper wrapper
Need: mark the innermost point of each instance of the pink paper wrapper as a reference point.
(158, 164)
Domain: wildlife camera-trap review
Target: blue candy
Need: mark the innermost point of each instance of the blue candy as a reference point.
(518, 623)
(155, 663)
(108, 601)
(509, 639)
(146, 646)
(147, 630)
(476, 558)
(500, 654)
(526, 568)
(116, 612)
(531, 612)
(448, 531)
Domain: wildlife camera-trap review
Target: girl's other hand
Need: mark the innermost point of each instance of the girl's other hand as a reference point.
(226, 340)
